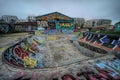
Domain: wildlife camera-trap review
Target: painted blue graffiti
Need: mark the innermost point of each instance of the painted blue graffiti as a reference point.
(102, 39)
(103, 65)
(10, 57)
(50, 31)
(67, 31)
(4, 28)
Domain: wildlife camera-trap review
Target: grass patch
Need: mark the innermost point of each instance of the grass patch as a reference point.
(107, 32)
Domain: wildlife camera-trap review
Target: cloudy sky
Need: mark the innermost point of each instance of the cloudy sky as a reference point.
(88, 9)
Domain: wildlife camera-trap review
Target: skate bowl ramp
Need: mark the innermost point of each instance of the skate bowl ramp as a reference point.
(106, 42)
(22, 54)
(42, 52)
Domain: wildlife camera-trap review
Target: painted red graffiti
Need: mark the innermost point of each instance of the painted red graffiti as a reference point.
(20, 52)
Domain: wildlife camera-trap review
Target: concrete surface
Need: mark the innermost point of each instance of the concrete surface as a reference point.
(62, 55)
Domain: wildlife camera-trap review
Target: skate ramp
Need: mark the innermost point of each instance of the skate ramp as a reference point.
(102, 41)
(26, 53)
(42, 52)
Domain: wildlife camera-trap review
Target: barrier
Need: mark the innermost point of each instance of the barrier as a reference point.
(107, 42)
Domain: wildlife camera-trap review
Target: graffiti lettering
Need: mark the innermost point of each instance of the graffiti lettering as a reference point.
(107, 42)
(50, 31)
(20, 52)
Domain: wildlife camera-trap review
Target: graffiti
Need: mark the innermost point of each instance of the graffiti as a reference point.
(54, 16)
(20, 52)
(29, 62)
(13, 59)
(42, 23)
(62, 25)
(4, 28)
(39, 40)
(93, 48)
(99, 71)
(37, 33)
(50, 31)
(67, 31)
(50, 38)
(66, 25)
(51, 23)
(106, 42)
(27, 53)
(108, 68)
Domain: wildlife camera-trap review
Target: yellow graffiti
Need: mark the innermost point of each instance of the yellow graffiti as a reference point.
(3, 48)
(33, 42)
(30, 62)
(50, 38)
(65, 24)
(60, 48)
(28, 48)
(38, 33)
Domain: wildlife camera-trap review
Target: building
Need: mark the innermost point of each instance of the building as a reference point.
(21, 20)
(117, 26)
(56, 21)
(79, 22)
(88, 23)
(25, 26)
(104, 27)
(97, 22)
(9, 18)
(31, 18)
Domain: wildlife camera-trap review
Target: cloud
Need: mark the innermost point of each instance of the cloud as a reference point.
(88, 9)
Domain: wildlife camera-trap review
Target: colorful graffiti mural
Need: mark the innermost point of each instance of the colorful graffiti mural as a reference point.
(53, 16)
(106, 42)
(99, 70)
(27, 53)
(42, 23)
(4, 28)
(51, 31)
(51, 38)
(55, 21)
(62, 24)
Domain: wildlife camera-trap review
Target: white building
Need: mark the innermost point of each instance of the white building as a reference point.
(79, 21)
(31, 18)
(97, 22)
(21, 20)
(9, 18)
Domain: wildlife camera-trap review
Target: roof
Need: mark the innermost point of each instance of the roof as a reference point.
(26, 23)
(117, 23)
(2, 23)
(53, 15)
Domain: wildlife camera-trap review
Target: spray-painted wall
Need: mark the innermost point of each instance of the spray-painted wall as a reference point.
(62, 25)
(107, 42)
(27, 53)
(55, 21)
(4, 28)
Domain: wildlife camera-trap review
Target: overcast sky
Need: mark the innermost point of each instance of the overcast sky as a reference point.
(88, 9)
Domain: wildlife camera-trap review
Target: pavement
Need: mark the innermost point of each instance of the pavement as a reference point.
(7, 39)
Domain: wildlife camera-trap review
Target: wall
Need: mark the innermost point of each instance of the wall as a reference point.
(4, 28)
(62, 25)
(52, 21)
(117, 26)
(27, 53)
(106, 42)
